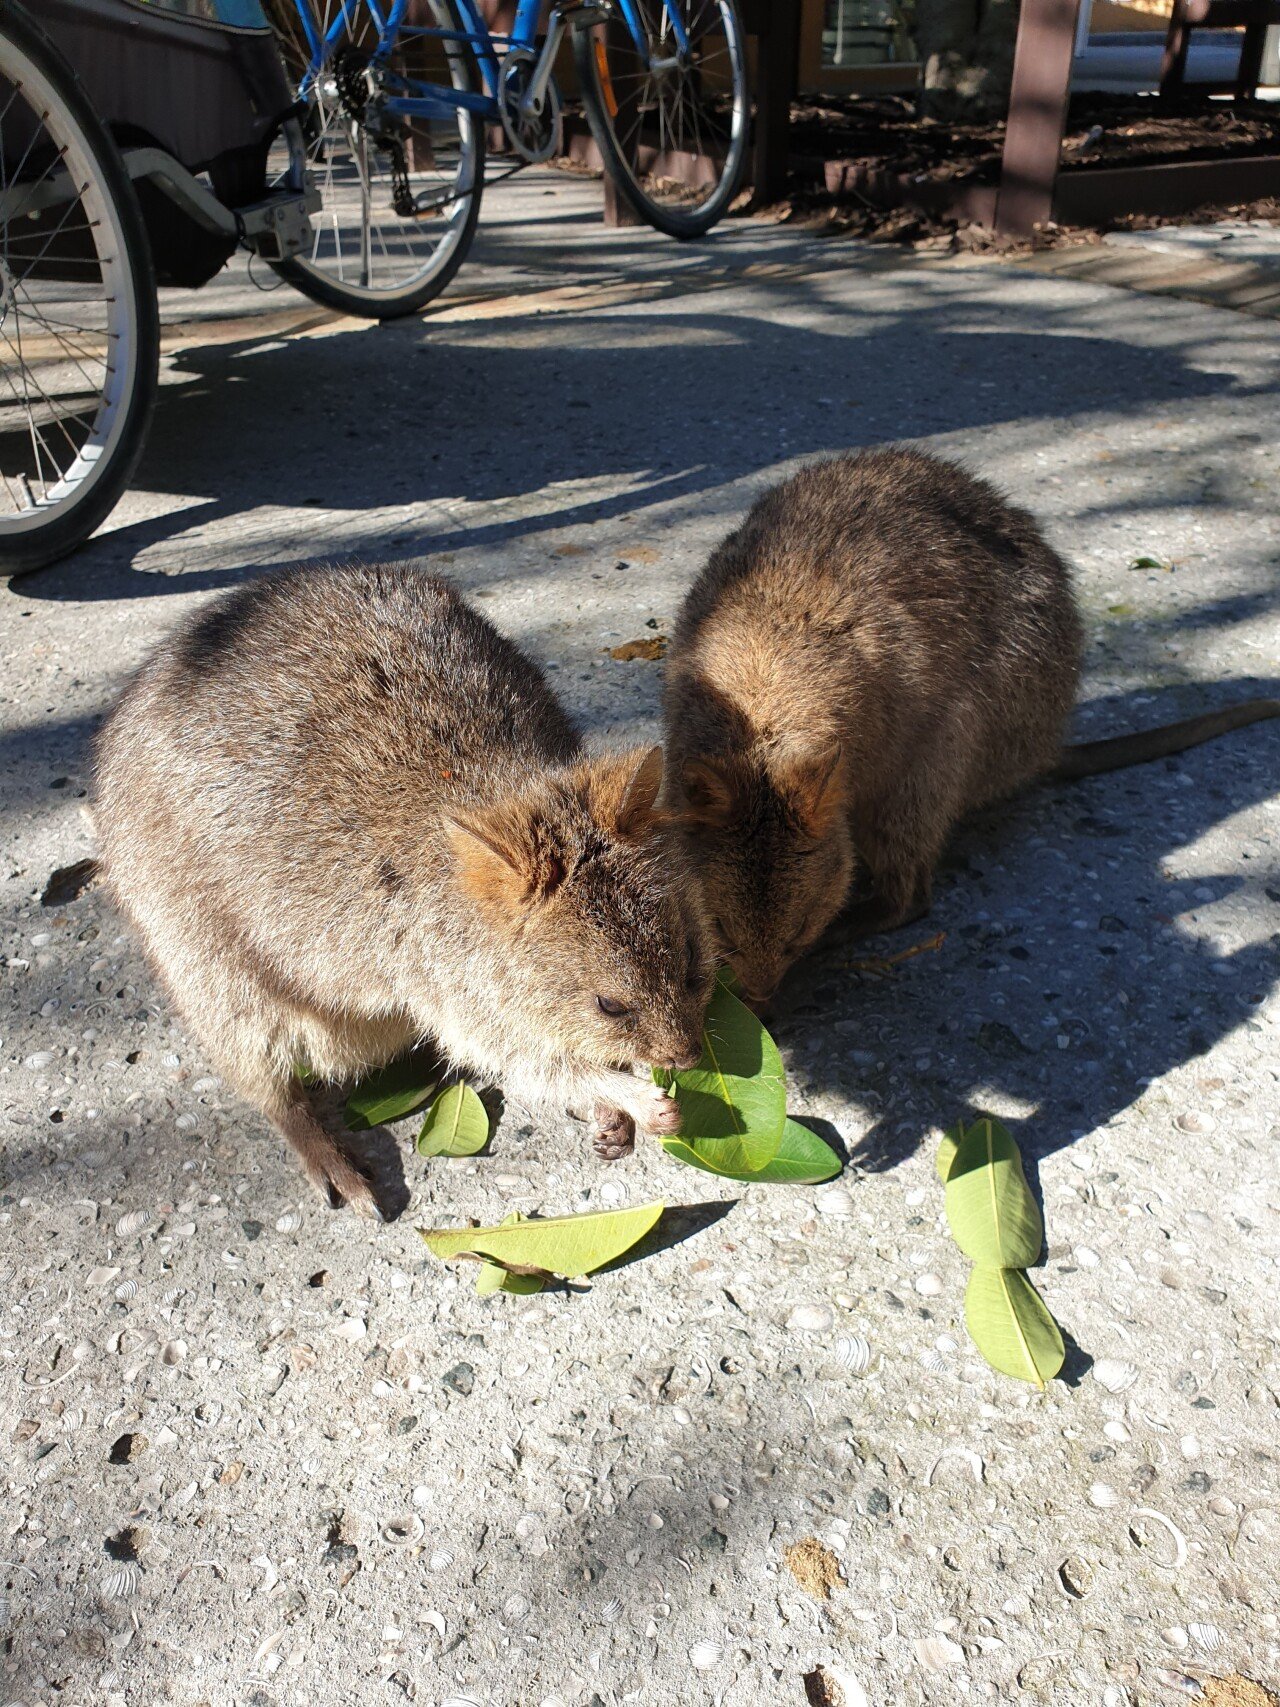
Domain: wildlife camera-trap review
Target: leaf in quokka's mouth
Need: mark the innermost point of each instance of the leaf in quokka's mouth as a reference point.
(569, 1245)
(733, 1104)
(800, 1159)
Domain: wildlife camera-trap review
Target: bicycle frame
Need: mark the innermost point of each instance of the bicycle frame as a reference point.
(437, 101)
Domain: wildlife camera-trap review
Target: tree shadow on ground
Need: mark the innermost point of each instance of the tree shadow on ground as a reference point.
(590, 402)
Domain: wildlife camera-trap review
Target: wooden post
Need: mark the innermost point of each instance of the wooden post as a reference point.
(777, 31)
(1037, 114)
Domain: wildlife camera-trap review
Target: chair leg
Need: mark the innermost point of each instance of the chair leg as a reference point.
(1174, 64)
(1250, 70)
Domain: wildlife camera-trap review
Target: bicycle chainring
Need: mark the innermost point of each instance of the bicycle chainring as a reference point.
(535, 136)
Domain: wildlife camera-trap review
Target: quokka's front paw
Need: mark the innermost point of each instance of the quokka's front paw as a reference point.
(615, 1133)
(662, 1114)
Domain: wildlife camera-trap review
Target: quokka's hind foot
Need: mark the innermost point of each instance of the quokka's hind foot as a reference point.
(615, 1133)
(337, 1176)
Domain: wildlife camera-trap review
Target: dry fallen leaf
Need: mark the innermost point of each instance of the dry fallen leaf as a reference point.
(651, 649)
(814, 1566)
(68, 882)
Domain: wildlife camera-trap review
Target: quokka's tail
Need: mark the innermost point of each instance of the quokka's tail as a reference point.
(1092, 758)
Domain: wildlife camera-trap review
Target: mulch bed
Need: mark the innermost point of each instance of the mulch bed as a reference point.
(834, 136)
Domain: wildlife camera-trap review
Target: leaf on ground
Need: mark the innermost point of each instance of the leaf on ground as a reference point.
(733, 1104)
(569, 1245)
(1148, 563)
(392, 1091)
(948, 1144)
(650, 650)
(1011, 1327)
(802, 1158)
(994, 1218)
(456, 1124)
(494, 1278)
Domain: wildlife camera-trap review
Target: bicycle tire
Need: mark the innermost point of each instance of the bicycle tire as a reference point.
(38, 535)
(606, 58)
(318, 283)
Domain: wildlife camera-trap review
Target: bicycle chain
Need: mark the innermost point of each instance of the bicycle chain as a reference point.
(350, 74)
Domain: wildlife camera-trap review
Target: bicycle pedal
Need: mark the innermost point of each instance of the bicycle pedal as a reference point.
(279, 226)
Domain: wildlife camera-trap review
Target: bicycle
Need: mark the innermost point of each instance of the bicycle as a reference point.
(94, 212)
(399, 159)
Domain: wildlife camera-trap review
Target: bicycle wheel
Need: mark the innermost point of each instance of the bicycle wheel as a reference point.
(671, 122)
(79, 328)
(400, 197)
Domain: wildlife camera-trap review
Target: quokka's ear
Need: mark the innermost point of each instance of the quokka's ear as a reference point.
(812, 783)
(713, 792)
(506, 855)
(638, 813)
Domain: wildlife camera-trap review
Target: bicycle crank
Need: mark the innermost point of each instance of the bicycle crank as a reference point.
(529, 106)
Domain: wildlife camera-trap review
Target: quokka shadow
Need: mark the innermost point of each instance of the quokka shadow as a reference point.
(1076, 966)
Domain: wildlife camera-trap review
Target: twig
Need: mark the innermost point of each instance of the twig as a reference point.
(878, 966)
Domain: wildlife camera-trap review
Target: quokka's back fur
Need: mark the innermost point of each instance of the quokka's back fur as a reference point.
(883, 645)
(346, 814)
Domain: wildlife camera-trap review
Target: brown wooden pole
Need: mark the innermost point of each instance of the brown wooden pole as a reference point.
(777, 71)
(1037, 114)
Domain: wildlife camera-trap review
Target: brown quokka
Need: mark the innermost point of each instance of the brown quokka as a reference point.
(884, 645)
(346, 814)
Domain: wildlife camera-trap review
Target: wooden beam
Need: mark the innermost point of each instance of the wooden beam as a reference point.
(1037, 114)
(777, 28)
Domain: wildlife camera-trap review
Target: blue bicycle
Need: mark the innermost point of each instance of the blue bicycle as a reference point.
(396, 97)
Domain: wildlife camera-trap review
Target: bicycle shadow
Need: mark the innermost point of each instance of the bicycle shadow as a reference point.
(398, 460)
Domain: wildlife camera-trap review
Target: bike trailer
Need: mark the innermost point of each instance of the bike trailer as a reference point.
(199, 80)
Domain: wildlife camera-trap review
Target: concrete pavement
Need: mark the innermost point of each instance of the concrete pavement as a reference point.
(261, 1453)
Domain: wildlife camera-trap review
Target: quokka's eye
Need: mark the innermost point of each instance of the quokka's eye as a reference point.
(615, 1010)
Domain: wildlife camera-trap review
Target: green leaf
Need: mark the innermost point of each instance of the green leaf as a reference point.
(565, 1244)
(391, 1092)
(1011, 1327)
(1148, 563)
(948, 1144)
(494, 1278)
(733, 1104)
(995, 1219)
(800, 1159)
(456, 1124)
